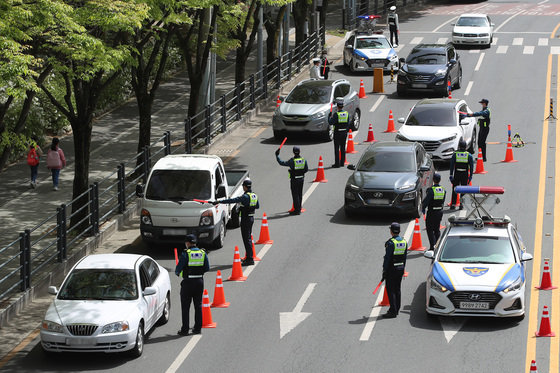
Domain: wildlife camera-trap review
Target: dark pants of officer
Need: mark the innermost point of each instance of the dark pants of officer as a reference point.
(482, 135)
(191, 290)
(394, 33)
(296, 186)
(325, 70)
(393, 281)
(433, 221)
(459, 178)
(339, 147)
(246, 231)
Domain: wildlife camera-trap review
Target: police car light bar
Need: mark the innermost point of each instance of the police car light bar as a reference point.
(479, 190)
(369, 17)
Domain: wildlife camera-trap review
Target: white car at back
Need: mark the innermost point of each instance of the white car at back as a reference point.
(473, 29)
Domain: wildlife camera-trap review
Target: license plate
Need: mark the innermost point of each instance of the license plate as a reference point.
(474, 305)
(80, 341)
(377, 201)
(418, 85)
(174, 232)
(378, 65)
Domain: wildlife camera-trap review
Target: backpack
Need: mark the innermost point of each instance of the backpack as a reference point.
(32, 157)
(53, 159)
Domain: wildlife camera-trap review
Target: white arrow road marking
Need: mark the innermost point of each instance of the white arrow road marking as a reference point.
(451, 326)
(289, 320)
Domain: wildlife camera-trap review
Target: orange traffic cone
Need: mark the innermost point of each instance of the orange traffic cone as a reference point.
(219, 296)
(390, 124)
(449, 89)
(546, 282)
(417, 238)
(278, 102)
(533, 366)
(544, 329)
(255, 257)
(370, 137)
(480, 163)
(236, 270)
(509, 152)
(345, 158)
(362, 93)
(350, 144)
(206, 313)
(320, 172)
(264, 237)
(385, 300)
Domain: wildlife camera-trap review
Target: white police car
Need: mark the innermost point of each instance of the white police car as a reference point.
(365, 51)
(478, 266)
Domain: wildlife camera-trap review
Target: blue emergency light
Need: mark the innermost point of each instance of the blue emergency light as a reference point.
(369, 17)
(479, 190)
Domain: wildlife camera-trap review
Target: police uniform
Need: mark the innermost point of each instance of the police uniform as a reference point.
(483, 126)
(314, 71)
(393, 271)
(340, 120)
(325, 67)
(192, 265)
(298, 168)
(461, 170)
(434, 200)
(393, 21)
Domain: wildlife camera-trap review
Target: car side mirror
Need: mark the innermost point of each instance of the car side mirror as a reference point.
(453, 61)
(424, 168)
(526, 257)
(351, 167)
(221, 192)
(52, 290)
(348, 45)
(429, 254)
(492, 25)
(139, 190)
(149, 291)
(400, 120)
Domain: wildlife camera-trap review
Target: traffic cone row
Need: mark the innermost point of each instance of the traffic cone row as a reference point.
(206, 313)
(362, 92)
(546, 282)
(544, 328)
(264, 237)
(320, 172)
(480, 163)
(278, 102)
(417, 238)
(390, 124)
(370, 137)
(219, 296)
(350, 144)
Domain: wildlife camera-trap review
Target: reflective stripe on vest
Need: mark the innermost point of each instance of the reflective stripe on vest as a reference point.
(484, 122)
(399, 251)
(195, 263)
(461, 160)
(342, 116)
(439, 195)
(299, 166)
(392, 20)
(249, 210)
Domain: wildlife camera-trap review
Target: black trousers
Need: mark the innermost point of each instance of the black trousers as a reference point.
(433, 221)
(296, 186)
(339, 147)
(459, 178)
(191, 291)
(394, 33)
(482, 135)
(393, 279)
(246, 231)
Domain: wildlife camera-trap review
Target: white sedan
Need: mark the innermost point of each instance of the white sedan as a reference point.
(106, 304)
(369, 51)
(473, 29)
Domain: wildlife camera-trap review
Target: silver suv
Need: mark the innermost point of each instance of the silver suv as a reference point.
(306, 108)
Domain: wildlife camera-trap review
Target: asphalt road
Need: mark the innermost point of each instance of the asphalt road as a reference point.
(325, 266)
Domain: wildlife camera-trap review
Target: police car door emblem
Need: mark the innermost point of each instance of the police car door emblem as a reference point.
(475, 271)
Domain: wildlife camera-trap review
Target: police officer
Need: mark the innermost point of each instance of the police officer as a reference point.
(298, 168)
(325, 65)
(249, 203)
(435, 197)
(393, 21)
(460, 170)
(339, 120)
(192, 265)
(393, 269)
(314, 70)
(483, 125)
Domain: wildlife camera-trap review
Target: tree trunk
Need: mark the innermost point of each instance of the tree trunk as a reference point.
(272, 25)
(300, 11)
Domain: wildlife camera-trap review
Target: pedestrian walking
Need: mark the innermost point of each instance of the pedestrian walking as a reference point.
(393, 22)
(298, 168)
(249, 202)
(433, 202)
(393, 269)
(33, 156)
(325, 65)
(339, 120)
(483, 125)
(55, 161)
(314, 70)
(460, 170)
(192, 266)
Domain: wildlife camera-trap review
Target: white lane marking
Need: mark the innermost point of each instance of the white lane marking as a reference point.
(517, 41)
(184, 354)
(473, 51)
(374, 107)
(528, 49)
(442, 40)
(494, 40)
(502, 49)
(468, 90)
(543, 42)
(375, 311)
(542, 2)
(289, 320)
(479, 61)
(247, 271)
(398, 49)
(417, 40)
(554, 50)
(451, 326)
(507, 20)
(409, 229)
(445, 23)
(308, 193)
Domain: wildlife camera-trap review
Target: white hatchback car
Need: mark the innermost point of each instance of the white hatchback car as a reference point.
(106, 304)
(473, 29)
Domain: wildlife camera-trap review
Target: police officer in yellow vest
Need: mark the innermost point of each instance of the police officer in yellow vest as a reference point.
(298, 168)
(483, 125)
(340, 120)
(434, 200)
(192, 265)
(393, 269)
(249, 203)
(460, 170)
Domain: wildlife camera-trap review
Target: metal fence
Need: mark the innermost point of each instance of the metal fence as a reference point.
(28, 259)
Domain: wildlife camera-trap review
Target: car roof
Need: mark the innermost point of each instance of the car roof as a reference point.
(474, 15)
(322, 82)
(442, 102)
(488, 230)
(187, 162)
(369, 36)
(394, 146)
(434, 47)
(109, 261)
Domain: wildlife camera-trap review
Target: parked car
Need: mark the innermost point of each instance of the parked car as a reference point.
(473, 29)
(389, 177)
(369, 51)
(107, 303)
(438, 125)
(430, 68)
(306, 108)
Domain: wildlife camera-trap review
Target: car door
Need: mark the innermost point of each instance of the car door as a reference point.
(348, 49)
(453, 68)
(149, 302)
(424, 160)
(467, 130)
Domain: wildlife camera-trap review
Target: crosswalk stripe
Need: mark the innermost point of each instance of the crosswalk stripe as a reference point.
(517, 41)
(554, 50)
(543, 42)
(502, 49)
(442, 40)
(474, 51)
(417, 40)
(528, 49)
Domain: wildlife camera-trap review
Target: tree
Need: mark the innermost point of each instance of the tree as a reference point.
(272, 23)
(300, 12)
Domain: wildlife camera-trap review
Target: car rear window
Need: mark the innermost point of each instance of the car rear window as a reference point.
(424, 58)
(431, 116)
(306, 94)
(372, 43)
(387, 162)
(477, 249)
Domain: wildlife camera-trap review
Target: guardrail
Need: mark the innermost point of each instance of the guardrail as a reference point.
(29, 258)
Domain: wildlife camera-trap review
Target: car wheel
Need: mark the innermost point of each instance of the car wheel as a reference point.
(356, 121)
(139, 346)
(472, 148)
(166, 311)
(278, 135)
(459, 80)
(219, 241)
(418, 211)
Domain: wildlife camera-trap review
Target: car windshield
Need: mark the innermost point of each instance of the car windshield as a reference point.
(179, 185)
(472, 22)
(100, 284)
(387, 161)
(427, 115)
(372, 43)
(477, 249)
(426, 59)
(310, 94)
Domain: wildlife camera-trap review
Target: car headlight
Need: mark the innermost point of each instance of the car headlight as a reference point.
(484, 35)
(441, 72)
(409, 195)
(457, 34)
(515, 286)
(353, 187)
(52, 327)
(119, 326)
(400, 137)
(145, 217)
(436, 285)
(451, 138)
(207, 217)
(406, 186)
(357, 56)
(319, 115)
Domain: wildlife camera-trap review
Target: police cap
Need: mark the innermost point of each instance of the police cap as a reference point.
(339, 101)
(462, 144)
(483, 101)
(393, 8)
(437, 178)
(247, 183)
(190, 238)
(315, 60)
(395, 227)
(296, 150)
